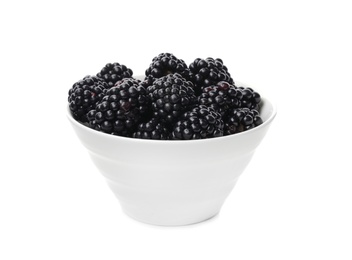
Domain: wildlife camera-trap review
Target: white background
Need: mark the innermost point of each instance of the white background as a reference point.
(293, 201)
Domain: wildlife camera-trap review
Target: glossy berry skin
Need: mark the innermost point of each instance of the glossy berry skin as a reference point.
(221, 97)
(241, 119)
(113, 72)
(208, 72)
(84, 95)
(130, 81)
(199, 123)
(153, 129)
(121, 109)
(173, 101)
(171, 96)
(250, 98)
(148, 81)
(167, 63)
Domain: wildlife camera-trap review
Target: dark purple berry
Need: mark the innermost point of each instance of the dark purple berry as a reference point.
(121, 109)
(171, 96)
(153, 129)
(113, 72)
(84, 95)
(199, 123)
(167, 63)
(221, 97)
(208, 72)
(241, 119)
(250, 98)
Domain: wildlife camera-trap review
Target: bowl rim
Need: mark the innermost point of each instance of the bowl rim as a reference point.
(176, 142)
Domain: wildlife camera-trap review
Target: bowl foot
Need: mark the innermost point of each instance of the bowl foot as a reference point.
(173, 217)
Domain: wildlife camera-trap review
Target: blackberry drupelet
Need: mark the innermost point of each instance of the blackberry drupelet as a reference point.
(148, 81)
(113, 72)
(153, 129)
(250, 98)
(171, 95)
(167, 63)
(199, 123)
(84, 95)
(221, 97)
(121, 109)
(208, 72)
(241, 119)
(129, 80)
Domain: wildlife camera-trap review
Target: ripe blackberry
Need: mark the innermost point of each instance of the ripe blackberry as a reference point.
(113, 72)
(171, 95)
(250, 98)
(167, 63)
(129, 80)
(241, 119)
(221, 97)
(84, 95)
(121, 108)
(199, 123)
(148, 81)
(153, 129)
(208, 72)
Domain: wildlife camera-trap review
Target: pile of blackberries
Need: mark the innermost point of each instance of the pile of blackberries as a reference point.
(173, 101)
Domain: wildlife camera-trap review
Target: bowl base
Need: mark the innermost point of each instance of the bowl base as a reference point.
(171, 223)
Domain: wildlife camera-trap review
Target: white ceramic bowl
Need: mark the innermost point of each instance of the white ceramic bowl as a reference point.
(173, 183)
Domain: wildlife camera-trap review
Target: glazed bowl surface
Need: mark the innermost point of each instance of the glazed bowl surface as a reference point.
(173, 182)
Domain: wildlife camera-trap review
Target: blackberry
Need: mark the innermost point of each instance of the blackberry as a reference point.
(167, 63)
(148, 81)
(199, 123)
(121, 108)
(250, 98)
(241, 119)
(152, 129)
(113, 72)
(221, 97)
(84, 95)
(171, 95)
(129, 80)
(208, 72)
